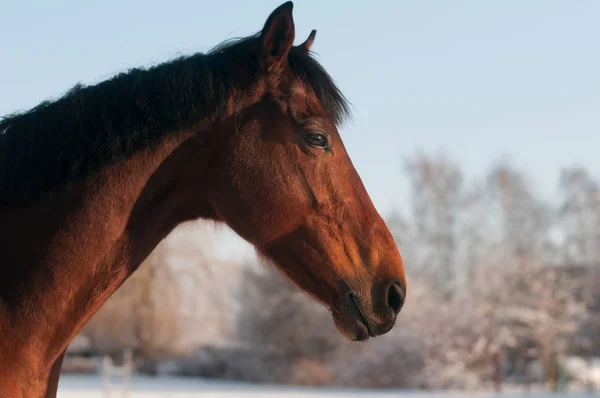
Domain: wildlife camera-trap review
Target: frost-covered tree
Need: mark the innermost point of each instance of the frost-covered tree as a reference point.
(286, 330)
(436, 186)
(533, 306)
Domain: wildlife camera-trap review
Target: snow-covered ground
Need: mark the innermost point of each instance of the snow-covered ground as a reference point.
(169, 387)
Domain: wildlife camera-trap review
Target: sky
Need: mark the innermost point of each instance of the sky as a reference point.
(479, 81)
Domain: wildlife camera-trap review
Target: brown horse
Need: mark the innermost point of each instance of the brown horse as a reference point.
(245, 135)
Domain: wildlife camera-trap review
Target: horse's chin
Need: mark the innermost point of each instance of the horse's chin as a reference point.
(351, 327)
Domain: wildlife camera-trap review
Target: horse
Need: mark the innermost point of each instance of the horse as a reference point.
(245, 134)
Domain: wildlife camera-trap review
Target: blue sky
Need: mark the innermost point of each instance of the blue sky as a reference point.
(481, 81)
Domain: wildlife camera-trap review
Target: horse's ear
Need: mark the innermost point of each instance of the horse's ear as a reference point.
(309, 42)
(277, 36)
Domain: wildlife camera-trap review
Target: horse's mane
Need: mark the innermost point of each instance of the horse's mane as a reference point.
(59, 141)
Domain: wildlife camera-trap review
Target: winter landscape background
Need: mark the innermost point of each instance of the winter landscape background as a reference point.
(504, 289)
(475, 131)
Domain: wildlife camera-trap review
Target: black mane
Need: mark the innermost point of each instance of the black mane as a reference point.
(57, 142)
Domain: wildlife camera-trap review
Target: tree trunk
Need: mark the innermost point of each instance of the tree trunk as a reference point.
(550, 362)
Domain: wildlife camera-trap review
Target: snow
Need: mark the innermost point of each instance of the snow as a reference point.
(584, 370)
(76, 386)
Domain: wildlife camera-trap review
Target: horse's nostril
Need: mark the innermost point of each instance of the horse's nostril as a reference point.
(395, 297)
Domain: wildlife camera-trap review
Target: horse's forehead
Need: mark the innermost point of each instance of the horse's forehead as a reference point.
(304, 102)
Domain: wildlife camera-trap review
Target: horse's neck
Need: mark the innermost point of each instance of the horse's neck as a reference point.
(68, 255)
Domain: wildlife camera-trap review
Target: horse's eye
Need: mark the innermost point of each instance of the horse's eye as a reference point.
(316, 140)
